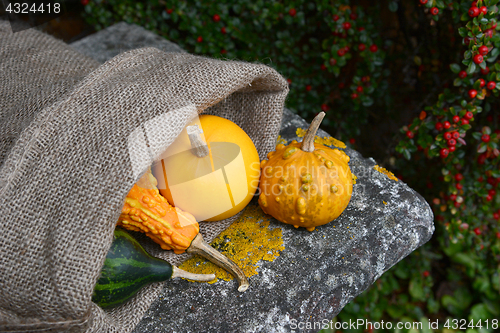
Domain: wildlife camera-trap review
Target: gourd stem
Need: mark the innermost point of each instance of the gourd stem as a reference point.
(308, 141)
(200, 148)
(177, 272)
(202, 248)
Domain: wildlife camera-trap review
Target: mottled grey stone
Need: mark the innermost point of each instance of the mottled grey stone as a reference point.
(318, 272)
(119, 38)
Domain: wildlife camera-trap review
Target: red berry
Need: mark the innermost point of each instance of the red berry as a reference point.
(485, 138)
(465, 121)
(333, 61)
(459, 177)
(426, 273)
(478, 59)
(453, 197)
(292, 12)
(374, 48)
(216, 18)
(477, 231)
(496, 216)
(481, 83)
(308, 87)
(289, 81)
(361, 47)
(361, 28)
(223, 30)
(335, 18)
(423, 2)
(85, 2)
(438, 126)
(346, 48)
(491, 85)
(455, 135)
(483, 50)
(323, 67)
(472, 93)
(347, 25)
(459, 186)
(481, 159)
(489, 198)
(467, 40)
(444, 152)
(473, 11)
(452, 149)
(498, 234)
(492, 192)
(447, 136)
(488, 33)
(223, 51)
(341, 52)
(352, 141)
(410, 134)
(359, 89)
(169, 10)
(325, 107)
(353, 16)
(434, 10)
(483, 10)
(456, 119)
(199, 39)
(354, 95)
(469, 115)
(462, 74)
(485, 71)
(446, 124)
(452, 142)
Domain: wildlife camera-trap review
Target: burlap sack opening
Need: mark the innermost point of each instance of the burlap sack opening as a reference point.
(75, 137)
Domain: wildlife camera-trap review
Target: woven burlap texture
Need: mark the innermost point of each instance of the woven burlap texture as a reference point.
(74, 137)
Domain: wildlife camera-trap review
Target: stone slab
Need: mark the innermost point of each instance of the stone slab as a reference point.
(119, 38)
(318, 272)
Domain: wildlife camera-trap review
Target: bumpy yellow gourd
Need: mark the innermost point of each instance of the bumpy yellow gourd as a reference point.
(305, 184)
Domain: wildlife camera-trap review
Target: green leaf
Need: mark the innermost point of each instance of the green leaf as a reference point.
(455, 68)
(406, 154)
(480, 312)
(463, 31)
(393, 6)
(472, 68)
(416, 289)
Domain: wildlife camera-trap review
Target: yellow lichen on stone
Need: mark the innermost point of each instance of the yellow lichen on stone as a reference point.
(300, 132)
(280, 140)
(386, 172)
(354, 178)
(247, 241)
(327, 140)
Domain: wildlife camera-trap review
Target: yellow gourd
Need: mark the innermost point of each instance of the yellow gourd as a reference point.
(305, 184)
(211, 170)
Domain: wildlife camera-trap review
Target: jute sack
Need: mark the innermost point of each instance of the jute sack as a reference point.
(74, 137)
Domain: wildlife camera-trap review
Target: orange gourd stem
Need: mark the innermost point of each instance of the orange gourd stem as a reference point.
(308, 141)
(145, 210)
